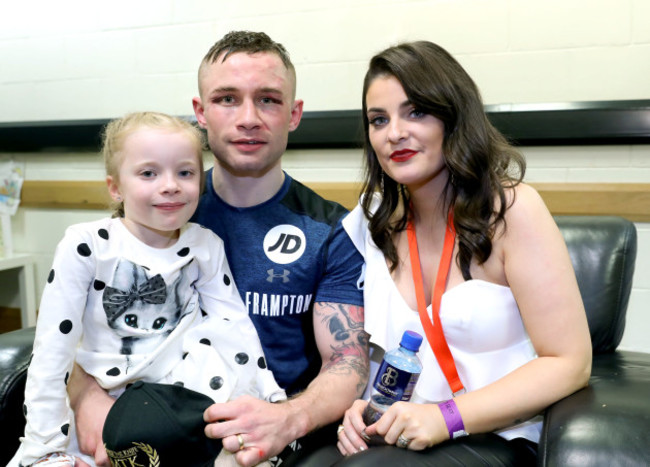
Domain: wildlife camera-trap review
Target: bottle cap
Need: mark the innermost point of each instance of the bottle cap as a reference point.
(411, 340)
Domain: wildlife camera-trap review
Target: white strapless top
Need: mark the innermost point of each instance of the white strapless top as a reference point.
(480, 320)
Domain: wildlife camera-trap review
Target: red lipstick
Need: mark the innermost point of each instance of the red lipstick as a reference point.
(402, 155)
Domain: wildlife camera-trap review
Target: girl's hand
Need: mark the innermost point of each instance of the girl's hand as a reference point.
(416, 426)
(351, 433)
(55, 459)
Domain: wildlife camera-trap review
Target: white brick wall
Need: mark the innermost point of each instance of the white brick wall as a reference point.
(88, 59)
(81, 59)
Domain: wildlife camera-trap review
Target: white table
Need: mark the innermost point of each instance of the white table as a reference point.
(24, 263)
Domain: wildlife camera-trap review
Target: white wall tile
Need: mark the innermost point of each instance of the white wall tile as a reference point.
(100, 54)
(612, 175)
(642, 270)
(40, 230)
(323, 165)
(577, 50)
(577, 156)
(635, 337)
(31, 18)
(454, 24)
(610, 73)
(555, 24)
(125, 14)
(172, 49)
(536, 175)
(640, 21)
(330, 86)
(13, 102)
(640, 156)
(517, 77)
(33, 59)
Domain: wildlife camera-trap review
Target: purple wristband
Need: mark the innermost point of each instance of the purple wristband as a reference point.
(453, 419)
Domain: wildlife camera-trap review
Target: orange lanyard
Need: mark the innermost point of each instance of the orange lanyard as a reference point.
(434, 333)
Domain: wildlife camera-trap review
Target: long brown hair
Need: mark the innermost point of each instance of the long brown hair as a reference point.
(480, 161)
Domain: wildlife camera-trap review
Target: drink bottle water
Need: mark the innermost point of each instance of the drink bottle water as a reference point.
(396, 378)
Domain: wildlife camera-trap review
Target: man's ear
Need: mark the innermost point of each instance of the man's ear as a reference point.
(198, 111)
(296, 114)
(113, 188)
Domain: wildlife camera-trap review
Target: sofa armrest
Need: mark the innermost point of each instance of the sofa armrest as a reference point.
(605, 423)
(15, 355)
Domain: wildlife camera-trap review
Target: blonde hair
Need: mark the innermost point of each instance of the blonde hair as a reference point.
(117, 131)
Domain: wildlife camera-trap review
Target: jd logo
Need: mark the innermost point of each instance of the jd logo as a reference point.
(284, 244)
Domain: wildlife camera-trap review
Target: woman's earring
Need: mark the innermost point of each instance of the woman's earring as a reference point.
(381, 181)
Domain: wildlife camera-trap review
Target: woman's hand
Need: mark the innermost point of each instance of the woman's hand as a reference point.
(352, 438)
(416, 426)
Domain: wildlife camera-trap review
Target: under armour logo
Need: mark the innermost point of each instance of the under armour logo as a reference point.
(284, 275)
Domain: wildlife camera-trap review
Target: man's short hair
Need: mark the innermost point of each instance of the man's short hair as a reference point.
(249, 42)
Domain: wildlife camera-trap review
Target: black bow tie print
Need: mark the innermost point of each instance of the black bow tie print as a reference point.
(116, 302)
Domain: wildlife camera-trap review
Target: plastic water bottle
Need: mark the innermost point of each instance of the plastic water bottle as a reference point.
(396, 378)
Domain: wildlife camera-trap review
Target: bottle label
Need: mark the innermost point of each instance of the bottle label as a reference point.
(394, 383)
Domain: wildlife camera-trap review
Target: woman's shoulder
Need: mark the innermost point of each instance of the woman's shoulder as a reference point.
(527, 215)
(524, 203)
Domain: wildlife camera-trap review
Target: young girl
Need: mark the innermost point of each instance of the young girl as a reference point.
(139, 295)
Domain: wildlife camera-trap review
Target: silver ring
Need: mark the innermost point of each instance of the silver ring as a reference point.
(339, 429)
(240, 438)
(403, 442)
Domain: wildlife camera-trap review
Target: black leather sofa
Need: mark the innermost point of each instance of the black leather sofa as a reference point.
(605, 424)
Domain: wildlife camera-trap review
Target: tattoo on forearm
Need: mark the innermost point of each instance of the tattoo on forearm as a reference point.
(350, 350)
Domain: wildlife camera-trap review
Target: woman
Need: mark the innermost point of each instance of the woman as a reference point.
(438, 173)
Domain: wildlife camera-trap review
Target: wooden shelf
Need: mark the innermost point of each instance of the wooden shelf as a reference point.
(629, 200)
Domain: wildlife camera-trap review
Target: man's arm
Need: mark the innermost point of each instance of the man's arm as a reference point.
(91, 405)
(343, 346)
(266, 429)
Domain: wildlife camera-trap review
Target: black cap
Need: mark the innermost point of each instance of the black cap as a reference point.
(159, 424)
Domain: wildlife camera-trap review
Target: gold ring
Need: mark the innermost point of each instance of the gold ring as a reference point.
(340, 429)
(240, 438)
(403, 442)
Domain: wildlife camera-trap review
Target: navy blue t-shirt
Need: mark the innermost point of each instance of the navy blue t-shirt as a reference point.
(285, 254)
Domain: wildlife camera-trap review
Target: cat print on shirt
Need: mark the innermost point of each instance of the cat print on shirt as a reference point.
(144, 310)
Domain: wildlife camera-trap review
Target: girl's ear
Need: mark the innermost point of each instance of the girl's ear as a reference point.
(113, 189)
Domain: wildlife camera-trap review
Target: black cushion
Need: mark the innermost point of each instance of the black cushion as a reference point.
(15, 354)
(607, 423)
(603, 253)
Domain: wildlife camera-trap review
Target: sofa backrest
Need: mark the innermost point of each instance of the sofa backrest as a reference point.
(603, 253)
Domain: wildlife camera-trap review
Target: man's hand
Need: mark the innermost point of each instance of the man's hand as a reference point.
(265, 429)
(91, 405)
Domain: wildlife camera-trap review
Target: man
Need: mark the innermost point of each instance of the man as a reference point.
(297, 271)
